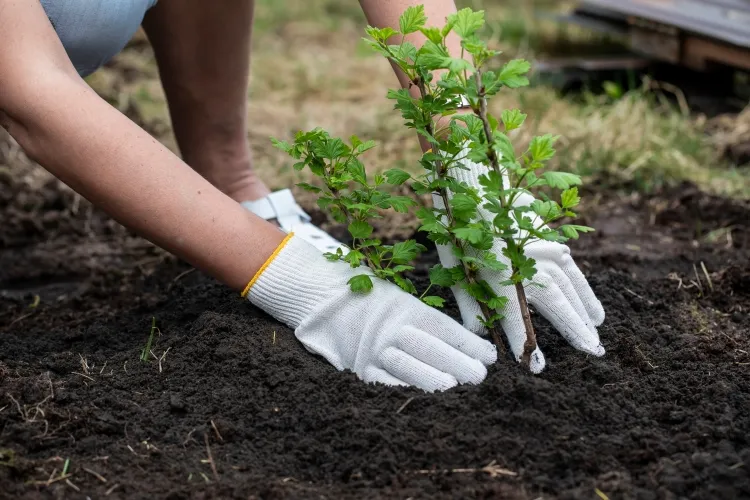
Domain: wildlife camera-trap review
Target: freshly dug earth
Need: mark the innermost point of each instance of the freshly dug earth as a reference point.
(236, 408)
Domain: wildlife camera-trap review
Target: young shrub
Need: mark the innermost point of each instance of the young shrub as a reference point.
(452, 88)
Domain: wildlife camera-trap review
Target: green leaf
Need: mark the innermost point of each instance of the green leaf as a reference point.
(360, 229)
(472, 234)
(433, 56)
(432, 34)
(440, 276)
(561, 180)
(412, 19)
(380, 34)
(512, 119)
(405, 284)
(503, 146)
(571, 230)
(331, 149)
(569, 198)
(434, 301)
(401, 204)
(405, 251)
(464, 206)
(547, 210)
(513, 73)
(542, 147)
(396, 176)
(458, 65)
(466, 22)
(364, 146)
(357, 169)
(282, 145)
(497, 302)
(361, 283)
(309, 187)
(354, 257)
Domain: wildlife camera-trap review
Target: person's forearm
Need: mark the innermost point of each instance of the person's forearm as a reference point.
(203, 52)
(105, 157)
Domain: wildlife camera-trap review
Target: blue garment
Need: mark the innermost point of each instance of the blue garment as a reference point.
(93, 31)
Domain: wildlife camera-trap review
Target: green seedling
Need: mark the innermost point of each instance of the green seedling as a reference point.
(147, 348)
(447, 105)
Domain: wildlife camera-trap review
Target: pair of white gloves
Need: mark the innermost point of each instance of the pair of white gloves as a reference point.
(389, 336)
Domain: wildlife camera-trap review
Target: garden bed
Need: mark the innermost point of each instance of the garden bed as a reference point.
(665, 414)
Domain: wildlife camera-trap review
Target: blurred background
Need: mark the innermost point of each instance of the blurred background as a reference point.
(624, 122)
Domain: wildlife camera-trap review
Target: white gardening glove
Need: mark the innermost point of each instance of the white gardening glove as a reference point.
(564, 298)
(384, 335)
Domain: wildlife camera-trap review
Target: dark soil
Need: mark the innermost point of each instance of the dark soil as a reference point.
(665, 414)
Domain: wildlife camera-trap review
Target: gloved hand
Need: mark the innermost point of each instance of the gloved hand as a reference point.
(564, 297)
(384, 335)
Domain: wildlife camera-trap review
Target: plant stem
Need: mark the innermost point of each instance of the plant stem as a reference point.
(530, 345)
(468, 272)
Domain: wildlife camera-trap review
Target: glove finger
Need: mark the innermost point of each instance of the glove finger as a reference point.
(458, 337)
(438, 354)
(583, 289)
(373, 374)
(470, 311)
(414, 372)
(571, 295)
(551, 303)
(467, 305)
(515, 332)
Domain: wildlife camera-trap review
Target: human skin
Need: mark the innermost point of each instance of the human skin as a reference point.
(67, 128)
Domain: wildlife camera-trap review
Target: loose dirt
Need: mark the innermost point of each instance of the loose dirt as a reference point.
(230, 405)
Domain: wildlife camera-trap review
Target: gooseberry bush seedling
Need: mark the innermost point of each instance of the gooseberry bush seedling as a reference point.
(447, 105)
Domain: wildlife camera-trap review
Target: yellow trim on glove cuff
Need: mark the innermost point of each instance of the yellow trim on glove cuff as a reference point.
(267, 263)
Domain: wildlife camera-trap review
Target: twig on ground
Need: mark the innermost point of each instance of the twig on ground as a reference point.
(109, 491)
(95, 474)
(218, 435)
(210, 458)
(492, 469)
(401, 408)
(67, 481)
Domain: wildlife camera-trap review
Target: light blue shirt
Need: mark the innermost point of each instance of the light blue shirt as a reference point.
(94, 31)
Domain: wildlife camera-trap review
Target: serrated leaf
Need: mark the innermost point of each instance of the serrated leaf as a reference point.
(472, 234)
(380, 34)
(354, 257)
(362, 283)
(396, 176)
(405, 251)
(440, 276)
(571, 230)
(412, 19)
(569, 198)
(360, 229)
(364, 146)
(401, 204)
(282, 145)
(513, 73)
(542, 148)
(561, 180)
(466, 22)
(434, 301)
(309, 187)
(503, 146)
(433, 34)
(405, 284)
(512, 119)
(464, 206)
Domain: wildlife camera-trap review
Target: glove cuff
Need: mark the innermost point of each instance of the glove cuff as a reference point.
(291, 283)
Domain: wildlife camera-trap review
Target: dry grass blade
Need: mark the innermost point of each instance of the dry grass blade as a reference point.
(211, 458)
(492, 469)
(401, 408)
(95, 474)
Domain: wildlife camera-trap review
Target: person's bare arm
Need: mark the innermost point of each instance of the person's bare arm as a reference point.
(61, 123)
(203, 52)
